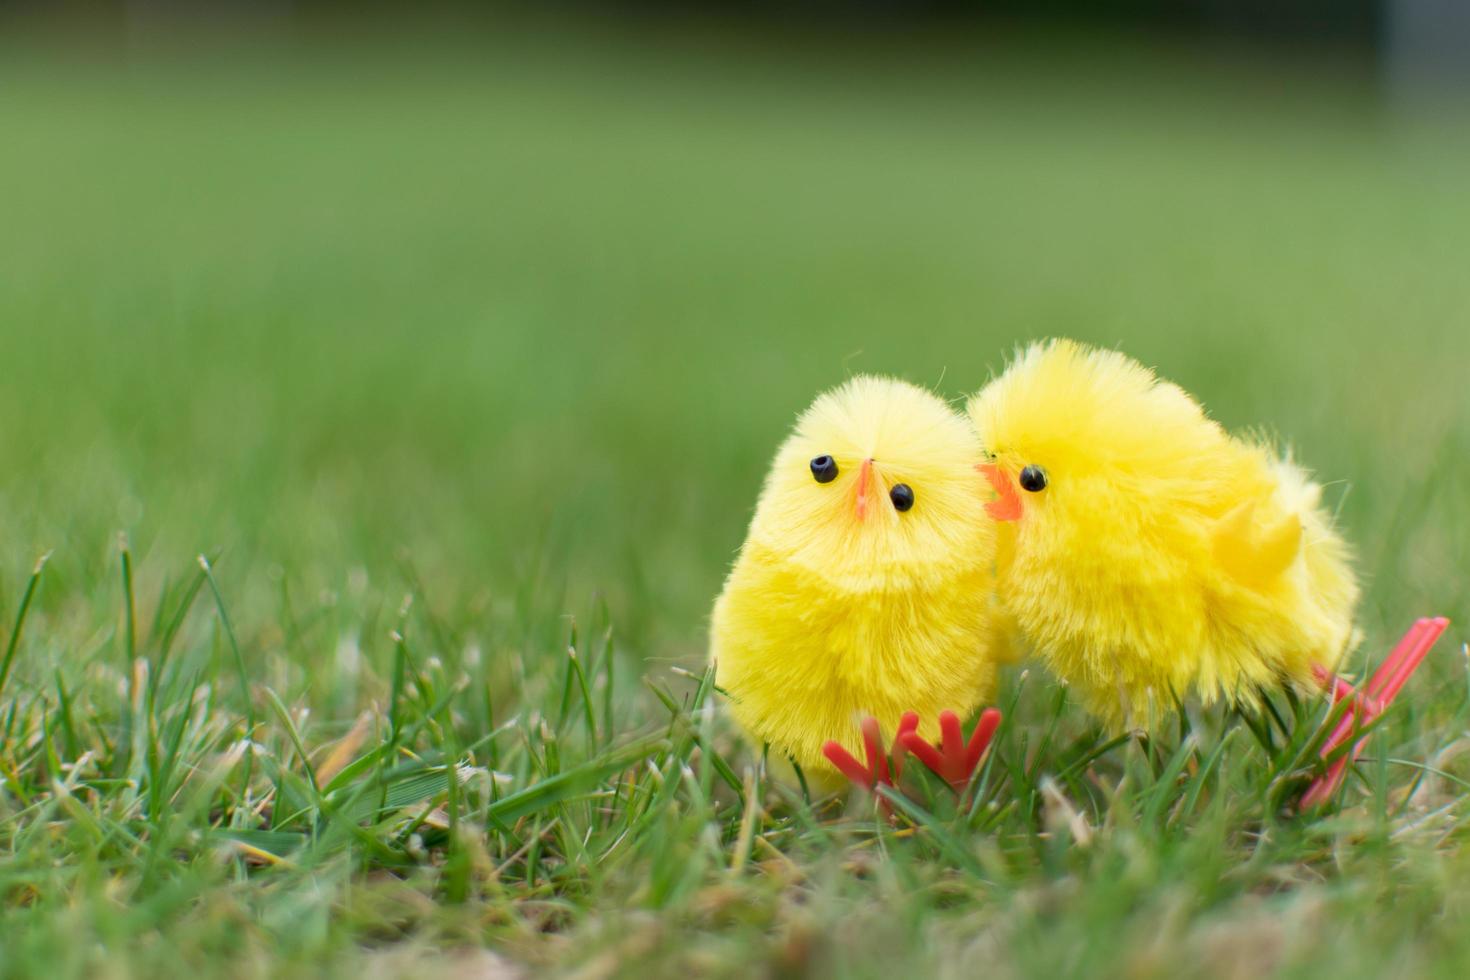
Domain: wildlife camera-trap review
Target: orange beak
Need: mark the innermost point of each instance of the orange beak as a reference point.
(1007, 506)
(865, 482)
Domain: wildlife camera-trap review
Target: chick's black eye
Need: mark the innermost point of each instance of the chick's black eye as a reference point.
(1033, 479)
(902, 496)
(824, 469)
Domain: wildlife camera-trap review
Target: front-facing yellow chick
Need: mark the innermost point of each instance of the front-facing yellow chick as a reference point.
(1145, 553)
(865, 582)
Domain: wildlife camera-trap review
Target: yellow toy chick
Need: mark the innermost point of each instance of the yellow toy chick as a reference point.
(865, 584)
(1144, 552)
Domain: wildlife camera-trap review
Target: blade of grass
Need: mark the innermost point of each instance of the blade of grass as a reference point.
(244, 677)
(577, 780)
(294, 735)
(20, 619)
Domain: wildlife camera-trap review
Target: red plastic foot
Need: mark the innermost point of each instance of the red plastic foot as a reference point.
(955, 761)
(1340, 688)
(1371, 702)
(876, 772)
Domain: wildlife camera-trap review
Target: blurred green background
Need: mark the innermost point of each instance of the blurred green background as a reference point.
(539, 304)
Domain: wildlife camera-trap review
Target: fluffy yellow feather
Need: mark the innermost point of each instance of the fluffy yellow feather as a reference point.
(865, 582)
(1145, 553)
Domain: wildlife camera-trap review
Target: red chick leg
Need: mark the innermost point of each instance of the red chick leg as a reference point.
(876, 772)
(1372, 690)
(1395, 679)
(1377, 695)
(955, 761)
(907, 724)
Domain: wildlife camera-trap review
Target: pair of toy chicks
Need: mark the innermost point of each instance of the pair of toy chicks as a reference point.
(1086, 510)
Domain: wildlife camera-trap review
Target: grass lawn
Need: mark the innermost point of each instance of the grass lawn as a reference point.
(461, 365)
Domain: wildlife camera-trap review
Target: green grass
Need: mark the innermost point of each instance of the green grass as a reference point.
(460, 366)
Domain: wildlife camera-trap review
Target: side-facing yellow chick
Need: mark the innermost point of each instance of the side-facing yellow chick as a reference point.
(864, 585)
(1144, 553)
